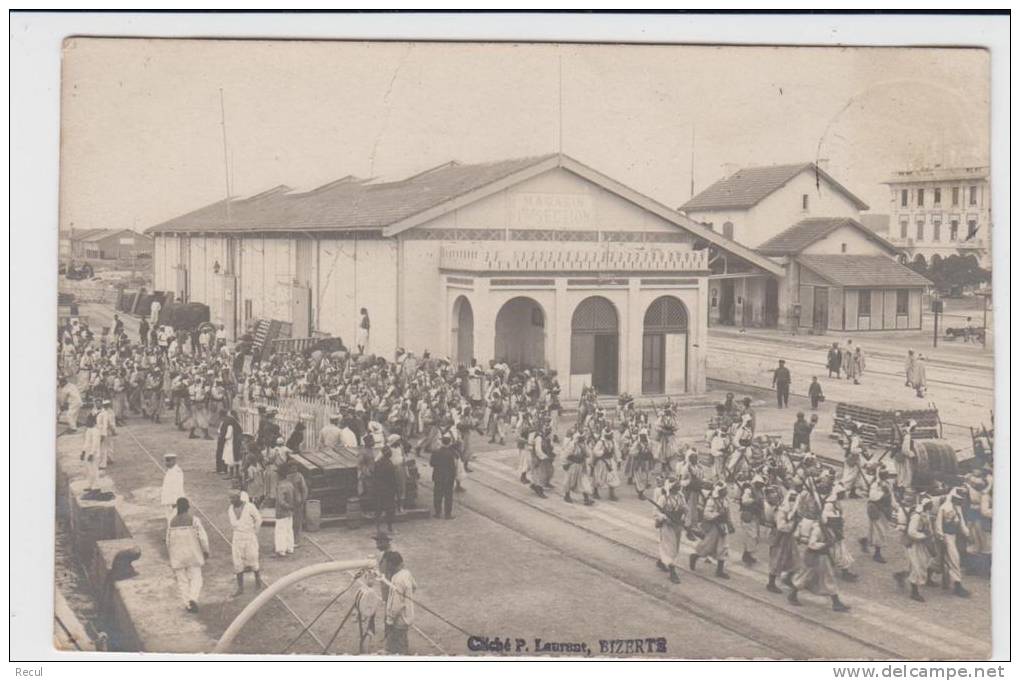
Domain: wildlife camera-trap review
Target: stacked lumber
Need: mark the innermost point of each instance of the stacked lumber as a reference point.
(876, 420)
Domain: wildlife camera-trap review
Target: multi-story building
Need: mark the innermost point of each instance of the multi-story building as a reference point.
(941, 211)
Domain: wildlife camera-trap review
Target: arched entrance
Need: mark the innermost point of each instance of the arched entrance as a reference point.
(595, 344)
(520, 333)
(463, 332)
(664, 347)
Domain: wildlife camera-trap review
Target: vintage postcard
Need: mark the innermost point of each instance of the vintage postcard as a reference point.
(525, 350)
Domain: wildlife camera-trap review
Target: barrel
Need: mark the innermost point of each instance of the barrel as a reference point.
(936, 456)
(313, 515)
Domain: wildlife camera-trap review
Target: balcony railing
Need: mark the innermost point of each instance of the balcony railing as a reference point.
(575, 258)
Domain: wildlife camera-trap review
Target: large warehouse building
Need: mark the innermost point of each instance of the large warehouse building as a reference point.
(541, 261)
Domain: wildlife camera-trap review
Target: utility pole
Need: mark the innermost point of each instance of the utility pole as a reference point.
(936, 307)
(226, 162)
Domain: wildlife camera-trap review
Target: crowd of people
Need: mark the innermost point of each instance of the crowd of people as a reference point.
(409, 409)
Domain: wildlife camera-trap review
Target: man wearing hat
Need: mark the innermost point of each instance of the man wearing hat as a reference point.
(188, 548)
(444, 475)
(717, 526)
(245, 520)
(880, 511)
(949, 524)
(834, 523)
(781, 382)
(106, 421)
(752, 507)
(329, 436)
(669, 520)
(642, 462)
(173, 485)
(917, 538)
(905, 455)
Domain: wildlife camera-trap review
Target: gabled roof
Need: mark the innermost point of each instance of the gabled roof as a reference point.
(90, 234)
(806, 232)
(394, 207)
(95, 235)
(347, 204)
(863, 271)
(748, 186)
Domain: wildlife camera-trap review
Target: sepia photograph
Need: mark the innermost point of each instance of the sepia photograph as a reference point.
(525, 350)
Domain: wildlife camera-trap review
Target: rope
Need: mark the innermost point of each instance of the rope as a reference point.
(425, 636)
(325, 650)
(321, 613)
(390, 584)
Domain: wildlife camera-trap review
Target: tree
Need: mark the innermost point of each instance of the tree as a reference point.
(919, 265)
(957, 272)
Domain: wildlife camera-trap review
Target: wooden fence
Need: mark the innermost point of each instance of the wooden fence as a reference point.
(314, 413)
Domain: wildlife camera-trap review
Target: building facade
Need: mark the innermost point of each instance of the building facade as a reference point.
(110, 244)
(541, 262)
(941, 211)
(808, 223)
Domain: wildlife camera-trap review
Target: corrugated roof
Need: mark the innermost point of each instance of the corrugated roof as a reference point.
(748, 186)
(349, 203)
(863, 271)
(91, 234)
(806, 232)
(354, 204)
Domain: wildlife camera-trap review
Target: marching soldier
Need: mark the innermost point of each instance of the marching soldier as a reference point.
(880, 511)
(905, 455)
(669, 516)
(717, 526)
(834, 523)
(782, 542)
(948, 525)
(643, 460)
(852, 477)
(918, 538)
(817, 575)
(692, 481)
(752, 507)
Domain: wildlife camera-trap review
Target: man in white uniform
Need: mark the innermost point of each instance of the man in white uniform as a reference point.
(245, 520)
(188, 547)
(173, 485)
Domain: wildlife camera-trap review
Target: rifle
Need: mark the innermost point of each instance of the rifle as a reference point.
(730, 473)
(830, 539)
(671, 517)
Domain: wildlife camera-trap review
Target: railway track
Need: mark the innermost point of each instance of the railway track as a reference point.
(743, 351)
(783, 646)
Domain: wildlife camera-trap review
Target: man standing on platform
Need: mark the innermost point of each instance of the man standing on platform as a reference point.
(188, 547)
(300, 498)
(781, 382)
(173, 485)
(399, 605)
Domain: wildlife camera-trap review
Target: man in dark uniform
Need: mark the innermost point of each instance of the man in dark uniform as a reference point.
(444, 475)
(781, 382)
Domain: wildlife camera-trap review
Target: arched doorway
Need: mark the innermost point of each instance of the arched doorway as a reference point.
(664, 347)
(463, 332)
(595, 344)
(520, 333)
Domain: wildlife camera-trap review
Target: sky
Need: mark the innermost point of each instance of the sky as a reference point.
(142, 135)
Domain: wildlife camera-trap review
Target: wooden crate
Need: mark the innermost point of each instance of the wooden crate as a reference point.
(876, 421)
(332, 477)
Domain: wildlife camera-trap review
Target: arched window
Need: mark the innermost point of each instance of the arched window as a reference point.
(666, 315)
